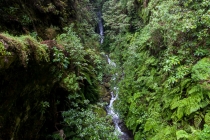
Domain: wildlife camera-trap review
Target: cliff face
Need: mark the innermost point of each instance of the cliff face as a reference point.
(36, 79)
(29, 88)
(50, 70)
(24, 92)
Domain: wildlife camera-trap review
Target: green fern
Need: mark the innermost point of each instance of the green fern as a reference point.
(165, 133)
(180, 112)
(181, 134)
(151, 124)
(187, 105)
(185, 83)
(207, 118)
(131, 122)
(201, 70)
(175, 102)
(138, 135)
(197, 120)
(194, 89)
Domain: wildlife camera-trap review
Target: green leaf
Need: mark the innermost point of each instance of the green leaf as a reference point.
(201, 70)
(181, 134)
(150, 124)
(180, 112)
(207, 118)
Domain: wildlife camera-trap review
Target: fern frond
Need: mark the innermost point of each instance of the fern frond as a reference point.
(187, 105)
(197, 120)
(150, 60)
(131, 122)
(185, 83)
(175, 102)
(180, 112)
(138, 135)
(204, 103)
(87, 77)
(175, 90)
(194, 89)
(193, 103)
(201, 71)
(151, 124)
(207, 118)
(165, 133)
(180, 134)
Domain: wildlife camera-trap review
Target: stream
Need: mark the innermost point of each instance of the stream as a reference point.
(123, 133)
(100, 26)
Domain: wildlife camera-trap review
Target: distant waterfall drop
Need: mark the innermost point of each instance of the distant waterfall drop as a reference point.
(123, 135)
(100, 26)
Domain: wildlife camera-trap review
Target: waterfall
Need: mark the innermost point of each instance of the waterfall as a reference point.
(100, 26)
(111, 111)
(123, 135)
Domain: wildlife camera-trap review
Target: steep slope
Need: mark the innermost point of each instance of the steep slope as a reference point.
(50, 71)
(162, 50)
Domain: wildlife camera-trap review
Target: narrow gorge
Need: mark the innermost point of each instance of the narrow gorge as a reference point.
(105, 70)
(113, 92)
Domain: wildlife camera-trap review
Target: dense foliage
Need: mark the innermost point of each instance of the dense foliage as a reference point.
(162, 56)
(49, 89)
(46, 18)
(48, 78)
(161, 48)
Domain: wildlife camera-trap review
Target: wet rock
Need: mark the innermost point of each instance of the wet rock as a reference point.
(106, 99)
(124, 129)
(107, 78)
(103, 91)
(107, 85)
(105, 94)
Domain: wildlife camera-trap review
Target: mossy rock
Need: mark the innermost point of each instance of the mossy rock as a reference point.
(107, 85)
(103, 91)
(100, 111)
(6, 61)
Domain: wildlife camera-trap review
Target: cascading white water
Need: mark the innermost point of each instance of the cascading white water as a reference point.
(101, 28)
(114, 93)
(115, 116)
(110, 108)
